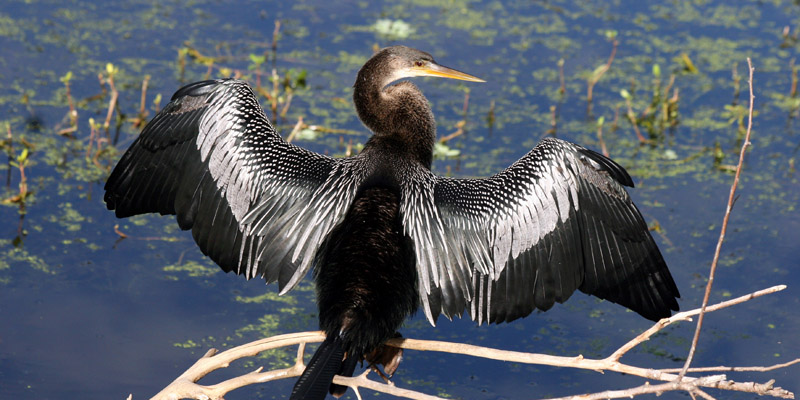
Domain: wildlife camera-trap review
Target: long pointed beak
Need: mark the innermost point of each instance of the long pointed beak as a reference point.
(433, 69)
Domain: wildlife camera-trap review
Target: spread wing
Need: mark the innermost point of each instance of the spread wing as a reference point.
(555, 221)
(256, 204)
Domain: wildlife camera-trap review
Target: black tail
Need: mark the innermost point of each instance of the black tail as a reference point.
(348, 366)
(317, 379)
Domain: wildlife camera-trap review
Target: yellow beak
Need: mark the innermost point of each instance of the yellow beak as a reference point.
(433, 69)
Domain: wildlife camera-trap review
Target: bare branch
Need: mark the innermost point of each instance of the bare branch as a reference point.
(731, 198)
(185, 386)
(361, 381)
(685, 316)
(736, 369)
(648, 388)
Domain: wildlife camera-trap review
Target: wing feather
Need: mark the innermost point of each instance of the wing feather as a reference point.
(256, 204)
(556, 221)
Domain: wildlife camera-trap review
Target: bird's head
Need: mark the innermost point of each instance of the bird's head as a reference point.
(397, 62)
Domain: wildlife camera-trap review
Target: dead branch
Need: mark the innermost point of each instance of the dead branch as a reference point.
(724, 228)
(647, 388)
(737, 369)
(185, 386)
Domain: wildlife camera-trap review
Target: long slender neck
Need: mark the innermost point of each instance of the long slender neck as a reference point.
(398, 115)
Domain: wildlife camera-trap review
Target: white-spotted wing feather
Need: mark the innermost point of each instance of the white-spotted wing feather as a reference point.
(527, 237)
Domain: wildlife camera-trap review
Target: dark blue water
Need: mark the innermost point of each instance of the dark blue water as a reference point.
(84, 315)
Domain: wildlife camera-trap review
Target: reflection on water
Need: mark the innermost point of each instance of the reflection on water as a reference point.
(89, 316)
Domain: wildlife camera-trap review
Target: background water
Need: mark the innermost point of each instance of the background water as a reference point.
(85, 315)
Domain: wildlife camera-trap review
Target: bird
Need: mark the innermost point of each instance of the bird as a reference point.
(384, 235)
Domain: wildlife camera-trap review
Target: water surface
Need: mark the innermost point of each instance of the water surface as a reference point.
(87, 315)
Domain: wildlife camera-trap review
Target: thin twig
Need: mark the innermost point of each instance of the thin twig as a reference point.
(297, 127)
(348, 151)
(274, 45)
(9, 153)
(490, 118)
(460, 125)
(274, 95)
(362, 381)
(553, 121)
(736, 369)
(112, 103)
(686, 315)
(701, 393)
(144, 94)
(634, 121)
(596, 77)
(648, 388)
(92, 136)
(140, 119)
(603, 147)
(119, 232)
(724, 228)
(286, 104)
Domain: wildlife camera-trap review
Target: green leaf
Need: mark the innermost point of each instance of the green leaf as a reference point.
(66, 78)
(300, 81)
(688, 65)
(597, 72)
(441, 150)
(256, 59)
(306, 134)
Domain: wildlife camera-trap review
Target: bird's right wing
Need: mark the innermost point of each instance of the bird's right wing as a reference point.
(256, 204)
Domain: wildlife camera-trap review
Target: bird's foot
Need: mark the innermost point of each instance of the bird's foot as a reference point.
(387, 356)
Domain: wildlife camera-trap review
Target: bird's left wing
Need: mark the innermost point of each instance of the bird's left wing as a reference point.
(555, 221)
(256, 204)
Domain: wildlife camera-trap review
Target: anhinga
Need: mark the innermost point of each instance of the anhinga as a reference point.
(383, 234)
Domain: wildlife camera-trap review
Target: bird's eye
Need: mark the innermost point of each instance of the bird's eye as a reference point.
(419, 63)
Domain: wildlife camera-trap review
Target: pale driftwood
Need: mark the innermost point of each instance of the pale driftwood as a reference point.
(647, 388)
(737, 369)
(185, 386)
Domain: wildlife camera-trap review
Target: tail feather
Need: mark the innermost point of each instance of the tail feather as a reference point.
(347, 368)
(318, 375)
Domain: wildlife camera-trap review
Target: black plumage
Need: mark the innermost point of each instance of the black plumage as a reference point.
(383, 233)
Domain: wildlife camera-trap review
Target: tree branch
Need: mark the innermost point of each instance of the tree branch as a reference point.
(724, 228)
(185, 386)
